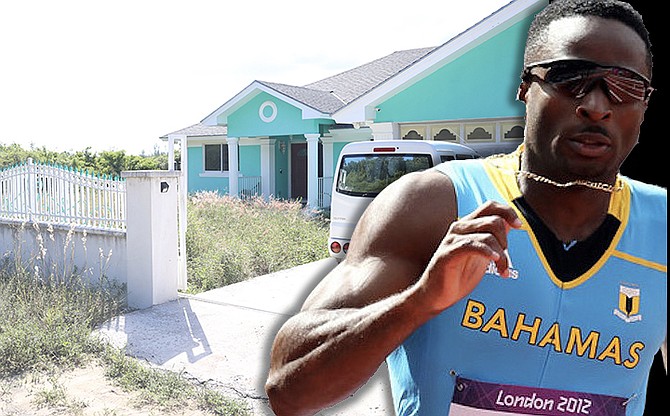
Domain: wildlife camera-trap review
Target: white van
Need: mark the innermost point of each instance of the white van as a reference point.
(365, 168)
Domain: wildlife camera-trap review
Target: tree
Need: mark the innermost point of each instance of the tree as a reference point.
(109, 162)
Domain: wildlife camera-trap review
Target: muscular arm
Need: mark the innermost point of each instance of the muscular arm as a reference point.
(393, 280)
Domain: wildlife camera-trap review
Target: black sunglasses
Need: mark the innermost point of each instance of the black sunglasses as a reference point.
(576, 78)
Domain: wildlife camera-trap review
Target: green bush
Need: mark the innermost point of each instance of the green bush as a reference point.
(107, 162)
(230, 240)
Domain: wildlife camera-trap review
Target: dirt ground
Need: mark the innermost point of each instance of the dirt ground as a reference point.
(79, 392)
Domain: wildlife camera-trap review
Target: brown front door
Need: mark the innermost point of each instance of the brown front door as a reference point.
(299, 169)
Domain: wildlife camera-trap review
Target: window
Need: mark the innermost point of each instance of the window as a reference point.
(368, 175)
(216, 158)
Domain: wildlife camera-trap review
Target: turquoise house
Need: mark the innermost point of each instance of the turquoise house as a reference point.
(279, 140)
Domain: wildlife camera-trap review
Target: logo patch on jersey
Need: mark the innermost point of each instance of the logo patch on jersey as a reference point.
(629, 303)
(513, 273)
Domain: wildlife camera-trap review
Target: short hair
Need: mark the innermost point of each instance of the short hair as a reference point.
(607, 9)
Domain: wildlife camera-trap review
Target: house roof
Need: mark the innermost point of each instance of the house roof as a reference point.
(351, 84)
(199, 130)
(350, 96)
(330, 94)
(320, 100)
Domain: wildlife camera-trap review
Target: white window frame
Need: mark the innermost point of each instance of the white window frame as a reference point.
(215, 173)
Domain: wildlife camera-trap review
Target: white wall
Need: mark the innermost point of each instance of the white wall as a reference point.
(144, 258)
(61, 249)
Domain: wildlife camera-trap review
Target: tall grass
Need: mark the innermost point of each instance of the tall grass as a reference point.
(46, 322)
(231, 240)
(46, 317)
(48, 309)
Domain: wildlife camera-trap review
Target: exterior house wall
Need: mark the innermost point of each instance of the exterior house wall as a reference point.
(282, 119)
(456, 90)
(198, 179)
(250, 159)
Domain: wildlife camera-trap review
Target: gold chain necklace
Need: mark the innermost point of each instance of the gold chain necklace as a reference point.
(600, 186)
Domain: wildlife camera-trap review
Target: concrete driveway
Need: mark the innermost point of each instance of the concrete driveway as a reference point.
(223, 337)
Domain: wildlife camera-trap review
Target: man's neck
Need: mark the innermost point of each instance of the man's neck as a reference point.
(572, 214)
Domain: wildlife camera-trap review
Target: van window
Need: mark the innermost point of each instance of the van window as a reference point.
(367, 175)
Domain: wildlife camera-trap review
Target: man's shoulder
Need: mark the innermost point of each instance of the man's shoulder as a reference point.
(646, 190)
(460, 165)
(418, 206)
(416, 184)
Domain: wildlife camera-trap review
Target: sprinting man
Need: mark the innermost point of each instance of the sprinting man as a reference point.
(529, 283)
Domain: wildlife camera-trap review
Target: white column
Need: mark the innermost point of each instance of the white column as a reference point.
(171, 140)
(233, 168)
(268, 167)
(385, 131)
(312, 169)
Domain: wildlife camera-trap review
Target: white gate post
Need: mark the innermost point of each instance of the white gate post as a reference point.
(151, 237)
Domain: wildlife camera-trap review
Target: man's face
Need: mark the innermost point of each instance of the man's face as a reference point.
(589, 135)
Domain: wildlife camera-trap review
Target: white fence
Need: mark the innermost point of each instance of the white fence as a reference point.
(250, 186)
(59, 195)
(325, 186)
(73, 221)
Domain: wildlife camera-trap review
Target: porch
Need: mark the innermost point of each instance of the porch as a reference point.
(252, 187)
(297, 167)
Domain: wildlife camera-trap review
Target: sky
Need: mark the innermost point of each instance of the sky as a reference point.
(117, 75)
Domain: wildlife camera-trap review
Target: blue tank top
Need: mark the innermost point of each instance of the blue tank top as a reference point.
(596, 334)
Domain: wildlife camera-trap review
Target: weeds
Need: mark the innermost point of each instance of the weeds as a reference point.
(52, 396)
(48, 311)
(231, 240)
(165, 389)
(49, 308)
(46, 319)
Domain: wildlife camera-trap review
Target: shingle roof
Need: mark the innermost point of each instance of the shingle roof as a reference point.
(355, 82)
(321, 100)
(198, 130)
(330, 94)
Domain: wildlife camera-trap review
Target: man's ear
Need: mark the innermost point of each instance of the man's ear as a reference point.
(521, 92)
